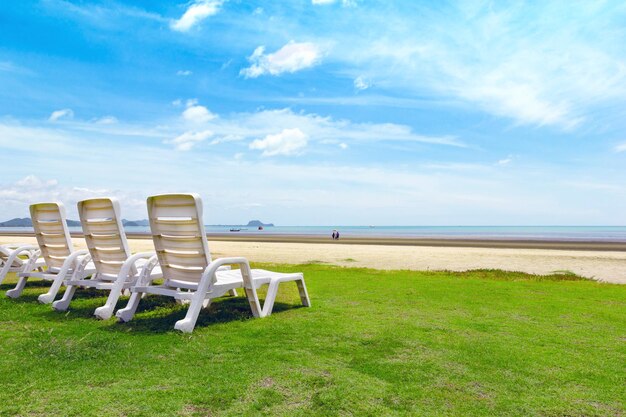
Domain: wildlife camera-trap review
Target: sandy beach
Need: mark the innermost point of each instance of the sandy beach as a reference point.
(595, 263)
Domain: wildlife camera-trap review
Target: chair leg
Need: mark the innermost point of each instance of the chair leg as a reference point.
(64, 303)
(106, 311)
(187, 324)
(233, 292)
(19, 287)
(49, 297)
(127, 313)
(270, 298)
(253, 300)
(304, 295)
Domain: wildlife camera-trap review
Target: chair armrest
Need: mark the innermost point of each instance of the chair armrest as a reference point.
(132, 260)
(81, 264)
(13, 254)
(209, 277)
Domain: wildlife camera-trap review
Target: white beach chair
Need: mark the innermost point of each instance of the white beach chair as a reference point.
(115, 268)
(55, 244)
(189, 273)
(19, 258)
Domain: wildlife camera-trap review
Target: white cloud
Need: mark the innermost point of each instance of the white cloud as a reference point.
(61, 114)
(32, 181)
(290, 58)
(343, 146)
(107, 120)
(361, 83)
(227, 138)
(196, 113)
(188, 140)
(197, 12)
(345, 3)
(288, 142)
(184, 73)
(16, 200)
(621, 147)
(505, 161)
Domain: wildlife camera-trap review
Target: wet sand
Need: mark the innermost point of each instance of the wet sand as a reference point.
(603, 261)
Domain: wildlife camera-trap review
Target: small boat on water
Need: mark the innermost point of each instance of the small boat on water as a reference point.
(235, 230)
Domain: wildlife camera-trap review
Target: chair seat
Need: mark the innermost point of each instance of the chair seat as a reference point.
(233, 277)
(51, 273)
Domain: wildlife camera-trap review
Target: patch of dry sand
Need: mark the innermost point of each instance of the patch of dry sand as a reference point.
(603, 266)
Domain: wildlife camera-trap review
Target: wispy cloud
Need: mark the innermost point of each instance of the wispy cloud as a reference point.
(196, 13)
(188, 140)
(290, 58)
(360, 83)
(246, 126)
(101, 15)
(345, 3)
(61, 114)
(620, 148)
(548, 71)
(505, 161)
(184, 73)
(107, 120)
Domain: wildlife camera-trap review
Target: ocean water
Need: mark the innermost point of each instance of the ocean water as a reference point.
(562, 233)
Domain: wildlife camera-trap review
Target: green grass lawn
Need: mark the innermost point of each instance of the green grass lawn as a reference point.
(373, 343)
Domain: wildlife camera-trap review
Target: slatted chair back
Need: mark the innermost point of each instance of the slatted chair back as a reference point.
(53, 236)
(104, 234)
(179, 237)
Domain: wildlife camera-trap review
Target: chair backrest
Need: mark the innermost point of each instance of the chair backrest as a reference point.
(53, 236)
(104, 234)
(178, 233)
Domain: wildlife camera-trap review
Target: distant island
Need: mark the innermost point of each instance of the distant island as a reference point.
(259, 223)
(27, 222)
(136, 223)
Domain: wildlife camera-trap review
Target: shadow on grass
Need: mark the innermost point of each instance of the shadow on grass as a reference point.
(31, 297)
(29, 284)
(159, 314)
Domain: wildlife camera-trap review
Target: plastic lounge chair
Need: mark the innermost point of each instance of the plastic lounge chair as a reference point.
(55, 244)
(189, 273)
(115, 268)
(18, 258)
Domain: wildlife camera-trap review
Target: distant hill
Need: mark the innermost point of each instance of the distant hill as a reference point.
(257, 223)
(136, 223)
(27, 222)
(17, 222)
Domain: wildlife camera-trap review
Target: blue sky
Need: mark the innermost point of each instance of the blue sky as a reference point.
(319, 112)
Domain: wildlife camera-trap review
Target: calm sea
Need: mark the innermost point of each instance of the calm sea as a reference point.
(583, 233)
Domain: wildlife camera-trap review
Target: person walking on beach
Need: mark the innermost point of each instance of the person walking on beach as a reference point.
(337, 235)
(334, 234)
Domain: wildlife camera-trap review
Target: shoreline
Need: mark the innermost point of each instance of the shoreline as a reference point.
(452, 242)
